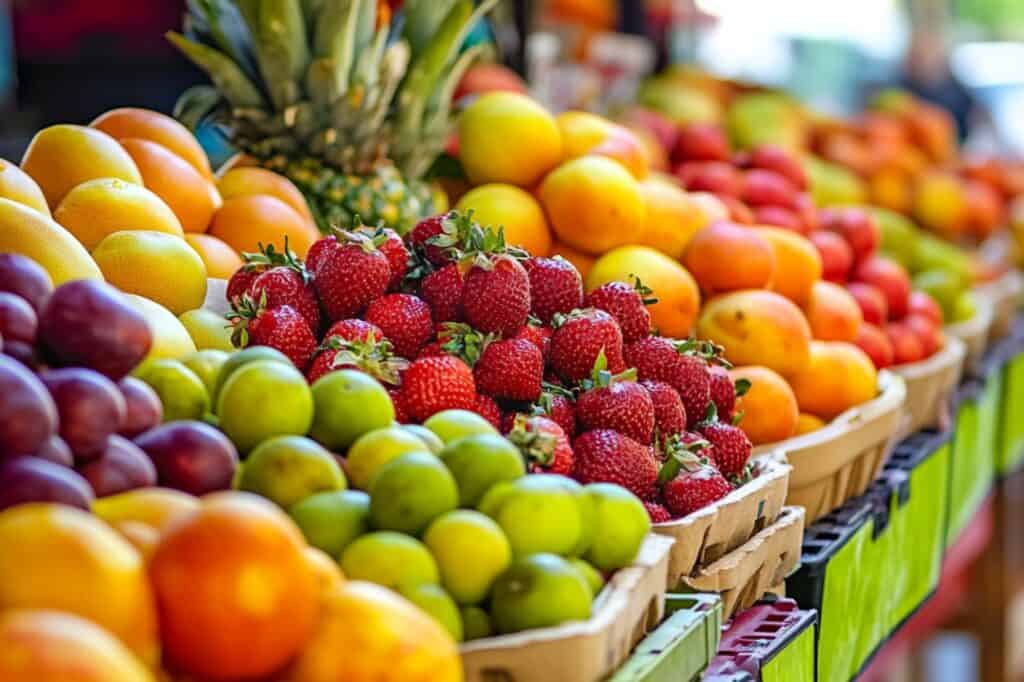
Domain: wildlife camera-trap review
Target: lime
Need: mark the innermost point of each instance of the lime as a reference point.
(207, 329)
(433, 600)
(538, 591)
(451, 425)
(264, 399)
(476, 624)
(288, 469)
(182, 392)
(411, 491)
(965, 307)
(349, 404)
(480, 461)
(330, 521)
(389, 559)
(206, 364)
(242, 358)
(539, 513)
(624, 524)
(376, 448)
(434, 444)
(942, 285)
(593, 577)
(471, 551)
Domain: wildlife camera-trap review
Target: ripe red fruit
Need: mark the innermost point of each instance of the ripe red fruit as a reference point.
(928, 333)
(773, 158)
(606, 456)
(510, 369)
(317, 251)
(669, 413)
(405, 321)
(779, 217)
(354, 329)
(874, 307)
(23, 277)
(694, 489)
(538, 336)
(368, 355)
(621, 405)
(660, 359)
(857, 227)
(808, 211)
(627, 304)
(488, 409)
(496, 296)
(768, 188)
(544, 444)
(241, 280)
(401, 416)
(393, 248)
(578, 341)
(922, 304)
(892, 280)
(560, 408)
(836, 256)
(907, 347)
(266, 258)
(555, 287)
(738, 211)
(433, 384)
(730, 447)
(723, 392)
(442, 290)
(710, 176)
(350, 276)
(282, 328)
(874, 342)
(427, 229)
(657, 512)
(701, 142)
(18, 321)
(288, 285)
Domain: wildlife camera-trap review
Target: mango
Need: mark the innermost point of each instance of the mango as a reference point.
(27, 231)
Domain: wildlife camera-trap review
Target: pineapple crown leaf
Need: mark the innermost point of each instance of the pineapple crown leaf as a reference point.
(537, 447)
(646, 293)
(680, 456)
(741, 386)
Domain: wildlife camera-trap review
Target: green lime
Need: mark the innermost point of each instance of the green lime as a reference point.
(182, 392)
(264, 399)
(943, 286)
(389, 559)
(539, 513)
(206, 364)
(330, 521)
(476, 624)
(434, 444)
(470, 550)
(588, 513)
(288, 469)
(242, 358)
(480, 461)
(437, 603)
(451, 425)
(207, 329)
(376, 448)
(538, 591)
(593, 577)
(624, 524)
(411, 491)
(965, 307)
(349, 404)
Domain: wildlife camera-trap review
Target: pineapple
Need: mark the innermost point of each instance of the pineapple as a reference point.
(353, 114)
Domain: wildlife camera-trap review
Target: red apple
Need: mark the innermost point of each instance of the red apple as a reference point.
(875, 344)
(663, 128)
(836, 255)
(892, 280)
(857, 227)
(779, 217)
(873, 306)
(906, 345)
(923, 304)
(773, 158)
(768, 188)
(710, 176)
(738, 211)
(807, 210)
(928, 333)
(701, 142)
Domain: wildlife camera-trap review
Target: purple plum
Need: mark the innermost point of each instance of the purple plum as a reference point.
(23, 277)
(90, 408)
(31, 479)
(28, 415)
(122, 466)
(190, 456)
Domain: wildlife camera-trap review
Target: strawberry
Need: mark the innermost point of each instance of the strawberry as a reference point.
(488, 409)
(458, 340)
(396, 400)
(510, 369)
(496, 295)
(425, 230)
(282, 328)
(317, 251)
(657, 512)
(368, 355)
(431, 385)
(579, 338)
(354, 329)
(255, 264)
(442, 290)
(694, 489)
(350, 276)
(544, 444)
(672, 362)
(555, 287)
(393, 248)
(538, 336)
(730, 446)
(627, 304)
(669, 413)
(724, 392)
(288, 285)
(616, 402)
(610, 457)
(557, 403)
(405, 321)
(241, 280)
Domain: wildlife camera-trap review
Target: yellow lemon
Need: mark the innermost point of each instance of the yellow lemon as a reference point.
(159, 266)
(27, 231)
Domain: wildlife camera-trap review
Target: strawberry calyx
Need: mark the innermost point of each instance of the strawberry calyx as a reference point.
(464, 342)
(708, 351)
(680, 456)
(741, 386)
(710, 416)
(600, 377)
(646, 293)
(537, 447)
(268, 256)
(370, 356)
(561, 319)
(544, 406)
(367, 241)
(244, 310)
(749, 473)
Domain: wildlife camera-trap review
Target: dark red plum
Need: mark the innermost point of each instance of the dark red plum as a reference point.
(57, 451)
(190, 456)
(17, 319)
(31, 479)
(144, 408)
(122, 466)
(90, 406)
(22, 352)
(23, 277)
(28, 415)
(91, 324)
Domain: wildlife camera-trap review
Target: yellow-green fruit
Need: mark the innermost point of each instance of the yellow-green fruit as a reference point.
(207, 329)
(206, 364)
(170, 338)
(28, 232)
(375, 449)
(466, 533)
(181, 391)
(103, 206)
(159, 266)
(16, 185)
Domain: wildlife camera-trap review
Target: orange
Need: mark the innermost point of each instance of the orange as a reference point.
(725, 256)
(237, 596)
(243, 181)
(221, 260)
(245, 222)
(671, 219)
(192, 197)
(327, 570)
(797, 263)
(586, 133)
(16, 185)
(769, 407)
(155, 127)
(678, 298)
(833, 313)
(515, 210)
(583, 261)
(808, 423)
(368, 632)
(839, 376)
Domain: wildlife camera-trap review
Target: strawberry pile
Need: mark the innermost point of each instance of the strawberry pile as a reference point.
(452, 318)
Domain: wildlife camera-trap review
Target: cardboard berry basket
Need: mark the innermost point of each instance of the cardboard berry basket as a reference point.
(1005, 296)
(930, 383)
(709, 533)
(630, 605)
(744, 575)
(839, 460)
(974, 332)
